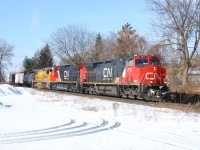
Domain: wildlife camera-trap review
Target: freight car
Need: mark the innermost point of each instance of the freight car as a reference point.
(28, 78)
(12, 78)
(19, 76)
(138, 77)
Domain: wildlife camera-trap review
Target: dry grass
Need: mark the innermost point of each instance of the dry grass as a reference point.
(90, 108)
(187, 108)
(115, 108)
(151, 115)
(174, 79)
(189, 89)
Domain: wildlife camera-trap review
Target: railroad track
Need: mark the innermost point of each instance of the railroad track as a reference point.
(170, 105)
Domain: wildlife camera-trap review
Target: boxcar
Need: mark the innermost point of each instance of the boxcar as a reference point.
(19, 77)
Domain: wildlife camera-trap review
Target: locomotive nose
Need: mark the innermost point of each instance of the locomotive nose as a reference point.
(152, 75)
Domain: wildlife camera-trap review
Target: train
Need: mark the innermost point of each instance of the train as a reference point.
(135, 77)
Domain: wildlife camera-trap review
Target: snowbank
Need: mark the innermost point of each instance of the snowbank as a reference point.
(39, 120)
(6, 89)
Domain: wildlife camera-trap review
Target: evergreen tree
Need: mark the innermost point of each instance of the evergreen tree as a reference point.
(42, 58)
(28, 64)
(45, 57)
(98, 42)
(35, 60)
(98, 49)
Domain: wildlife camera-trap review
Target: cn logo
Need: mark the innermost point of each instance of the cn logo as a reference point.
(150, 76)
(66, 75)
(107, 72)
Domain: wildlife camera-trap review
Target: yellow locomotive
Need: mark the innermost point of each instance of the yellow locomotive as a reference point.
(42, 78)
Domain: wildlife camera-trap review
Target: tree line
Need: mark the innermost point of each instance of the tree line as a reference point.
(75, 44)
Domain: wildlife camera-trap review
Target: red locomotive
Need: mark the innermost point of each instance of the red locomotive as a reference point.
(140, 77)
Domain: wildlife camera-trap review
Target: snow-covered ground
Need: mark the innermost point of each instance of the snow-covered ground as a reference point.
(35, 120)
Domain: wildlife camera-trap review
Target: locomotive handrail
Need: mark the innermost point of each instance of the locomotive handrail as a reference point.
(142, 78)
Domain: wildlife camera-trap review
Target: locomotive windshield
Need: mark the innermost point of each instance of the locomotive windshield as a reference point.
(141, 62)
(155, 62)
(145, 62)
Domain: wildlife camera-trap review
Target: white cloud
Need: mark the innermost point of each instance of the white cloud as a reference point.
(34, 19)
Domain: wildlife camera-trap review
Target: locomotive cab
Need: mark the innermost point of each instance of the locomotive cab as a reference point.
(151, 75)
(144, 70)
(42, 78)
(143, 77)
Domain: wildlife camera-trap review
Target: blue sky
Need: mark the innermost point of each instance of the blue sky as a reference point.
(28, 24)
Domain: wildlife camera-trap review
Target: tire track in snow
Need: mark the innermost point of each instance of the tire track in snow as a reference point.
(83, 124)
(58, 132)
(36, 131)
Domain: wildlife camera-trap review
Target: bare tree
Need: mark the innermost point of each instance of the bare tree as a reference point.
(103, 48)
(178, 22)
(95, 52)
(70, 42)
(155, 49)
(142, 46)
(6, 53)
(110, 46)
(196, 61)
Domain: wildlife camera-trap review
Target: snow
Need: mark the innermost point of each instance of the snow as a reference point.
(36, 120)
